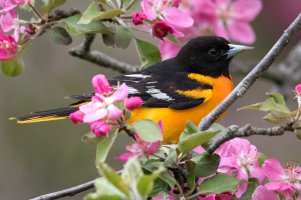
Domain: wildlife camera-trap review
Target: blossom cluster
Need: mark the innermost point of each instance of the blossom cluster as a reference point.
(9, 33)
(107, 105)
(240, 159)
(185, 19)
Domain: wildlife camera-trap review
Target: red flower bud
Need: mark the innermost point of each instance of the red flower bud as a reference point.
(76, 117)
(138, 17)
(100, 128)
(161, 29)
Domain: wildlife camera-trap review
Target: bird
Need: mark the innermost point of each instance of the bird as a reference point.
(185, 87)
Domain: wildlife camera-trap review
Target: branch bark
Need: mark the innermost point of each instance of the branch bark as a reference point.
(84, 52)
(250, 79)
(67, 192)
(246, 131)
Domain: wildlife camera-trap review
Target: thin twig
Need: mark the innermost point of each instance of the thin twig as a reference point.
(130, 4)
(83, 51)
(249, 80)
(67, 192)
(246, 131)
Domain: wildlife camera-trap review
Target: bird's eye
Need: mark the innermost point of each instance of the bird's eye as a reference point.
(213, 52)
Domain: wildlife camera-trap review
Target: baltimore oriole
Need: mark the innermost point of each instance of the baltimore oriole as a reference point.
(186, 87)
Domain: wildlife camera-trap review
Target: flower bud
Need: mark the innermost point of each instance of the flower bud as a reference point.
(101, 85)
(138, 17)
(298, 94)
(133, 103)
(161, 29)
(100, 128)
(76, 117)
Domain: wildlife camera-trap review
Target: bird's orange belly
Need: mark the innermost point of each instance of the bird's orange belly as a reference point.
(174, 121)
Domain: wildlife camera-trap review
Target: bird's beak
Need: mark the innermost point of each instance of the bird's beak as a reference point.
(235, 49)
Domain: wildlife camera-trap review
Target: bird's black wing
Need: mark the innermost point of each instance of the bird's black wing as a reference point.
(162, 85)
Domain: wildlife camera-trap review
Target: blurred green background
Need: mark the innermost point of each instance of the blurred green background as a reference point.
(46, 157)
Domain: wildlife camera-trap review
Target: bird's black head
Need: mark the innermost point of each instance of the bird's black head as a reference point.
(208, 55)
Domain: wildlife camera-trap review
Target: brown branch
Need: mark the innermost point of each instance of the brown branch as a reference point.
(250, 79)
(246, 131)
(67, 192)
(84, 52)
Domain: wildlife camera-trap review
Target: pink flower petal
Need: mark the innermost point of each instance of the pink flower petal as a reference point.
(124, 157)
(153, 148)
(278, 186)
(120, 94)
(168, 49)
(133, 103)
(297, 186)
(241, 31)
(148, 10)
(199, 150)
(245, 10)
(257, 173)
(76, 117)
(7, 21)
(298, 89)
(95, 115)
(100, 128)
(177, 18)
(241, 188)
(114, 113)
(261, 193)
(273, 169)
(101, 84)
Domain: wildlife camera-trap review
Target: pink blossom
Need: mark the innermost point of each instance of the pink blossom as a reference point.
(76, 117)
(261, 193)
(230, 19)
(138, 17)
(133, 103)
(222, 196)
(100, 128)
(102, 105)
(141, 148)
(285, 181)
(240, 158)
(161, 29)
(8, 5)
(168, 11)
(298, 95)
(8, 47)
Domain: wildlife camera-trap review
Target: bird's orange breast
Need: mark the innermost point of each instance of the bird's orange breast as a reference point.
(174, 120)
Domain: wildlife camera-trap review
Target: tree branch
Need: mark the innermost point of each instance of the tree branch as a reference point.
(249, 80)
(246, 131)
(67, 192)
(84, 52)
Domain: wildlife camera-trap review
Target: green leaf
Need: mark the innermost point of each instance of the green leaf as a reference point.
(149, 53)
(165, 176)
(104, 146)
(74, 28)
(173, 39)
(12, 67)
(275, 102)
(190, 128)
(51, 4)
(191, 141)
(90, 138)
(92, 13)
(111, 176)
(146, 182)
(191, 178)
(59, 35)
(148, 130)
(170, 160)
(206, 164)
(252, 185)
(276, 117)
(132, 171)
(218, 184)
(105, 190)
(121, 38)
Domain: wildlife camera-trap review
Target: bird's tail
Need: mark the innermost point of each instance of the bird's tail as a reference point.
(47, 115)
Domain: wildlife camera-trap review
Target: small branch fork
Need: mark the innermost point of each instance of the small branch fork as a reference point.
(83, 51)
